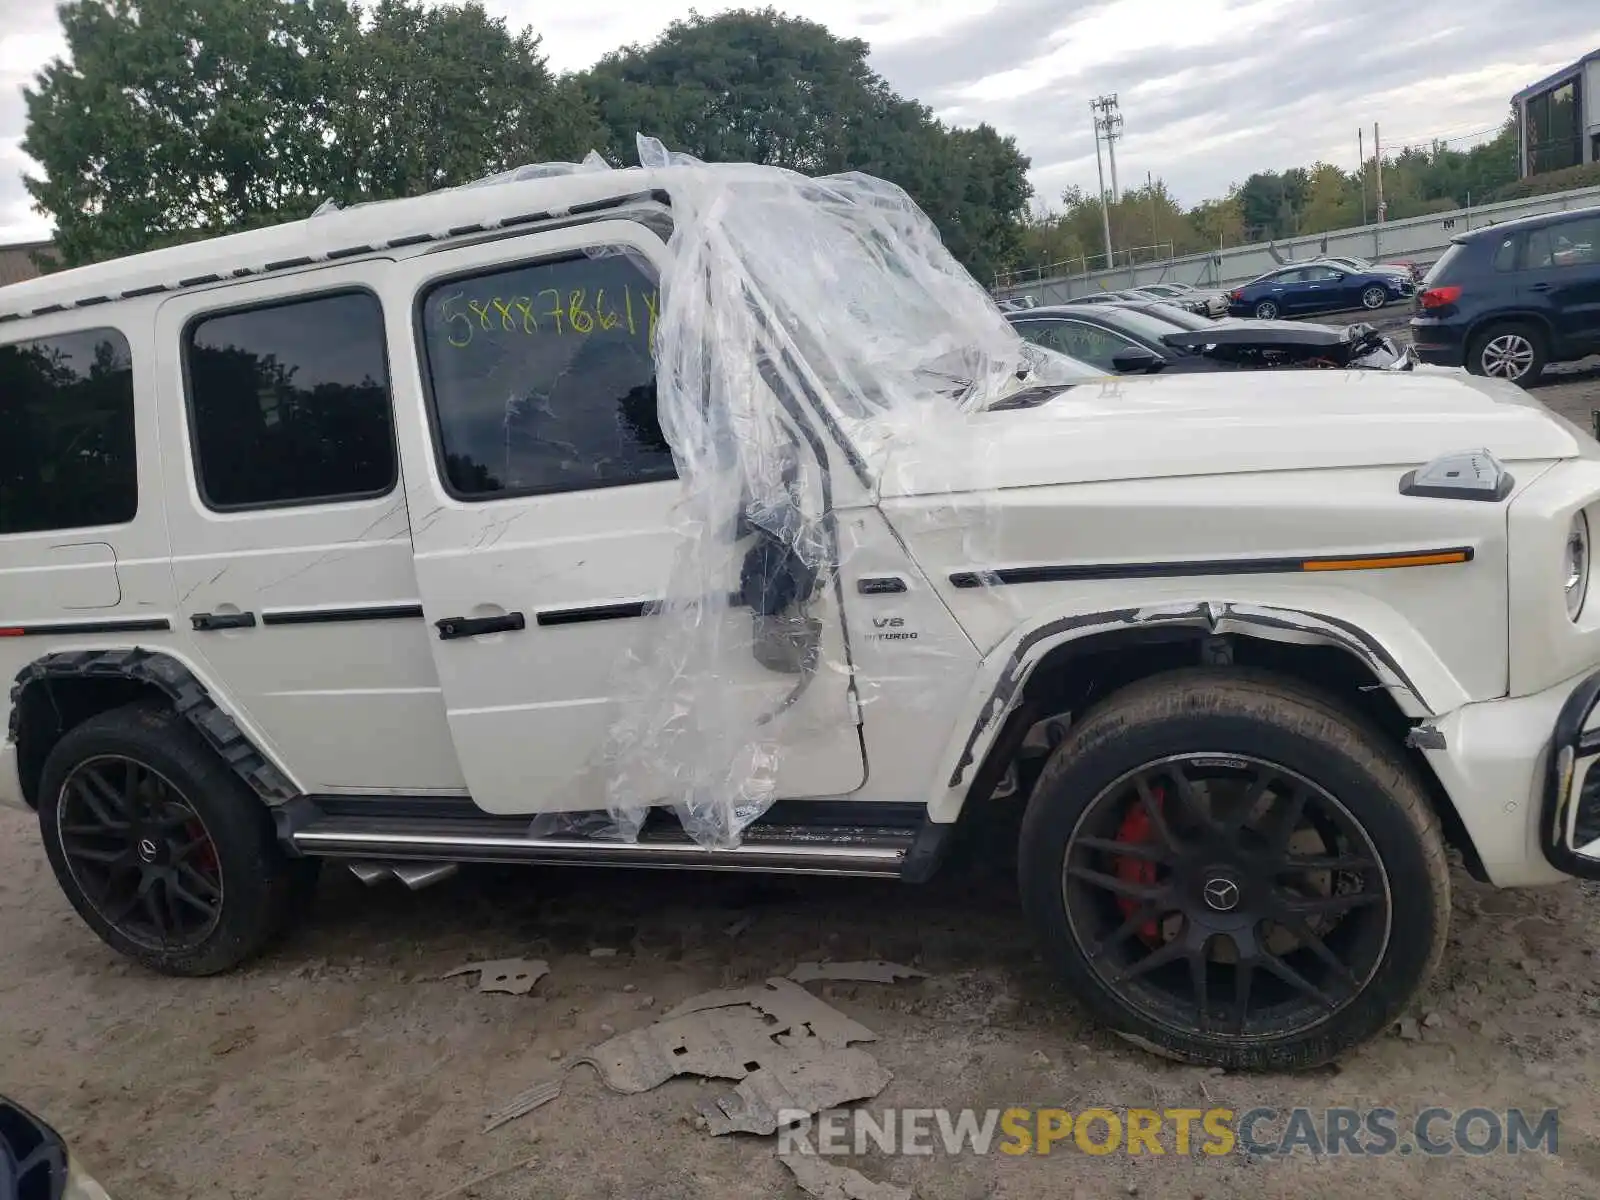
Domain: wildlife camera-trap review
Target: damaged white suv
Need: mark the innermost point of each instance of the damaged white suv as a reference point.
(712, 517)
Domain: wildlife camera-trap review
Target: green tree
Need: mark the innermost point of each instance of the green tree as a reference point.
(173, 119)
(429, 97)
(1220, 222)
(754, 86)
(1333, 200)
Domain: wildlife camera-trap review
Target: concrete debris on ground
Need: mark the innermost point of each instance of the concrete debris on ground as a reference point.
(804, 1077)
(521, 1106)
(818, 1177)
(515, 976)
(872, 971)
(793, 1008)
(787, 1049)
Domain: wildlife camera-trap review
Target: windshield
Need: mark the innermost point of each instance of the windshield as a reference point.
(1140, 324)
(1052, 366)
(1181, 317)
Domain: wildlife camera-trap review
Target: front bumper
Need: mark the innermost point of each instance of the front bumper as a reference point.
(1499, 766)
(11, 795)
(1569, 819)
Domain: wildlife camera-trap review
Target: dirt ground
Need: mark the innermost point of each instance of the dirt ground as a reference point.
(340, 1065)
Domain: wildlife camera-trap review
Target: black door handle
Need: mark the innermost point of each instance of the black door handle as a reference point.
(451, 628)
(1538, 287)
(206, 622)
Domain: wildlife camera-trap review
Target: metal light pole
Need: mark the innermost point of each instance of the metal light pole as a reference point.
(1113, 132)
(1100, 171)
(1377, 153)
(1361, 170)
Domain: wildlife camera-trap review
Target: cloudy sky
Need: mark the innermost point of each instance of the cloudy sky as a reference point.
(1210, 90)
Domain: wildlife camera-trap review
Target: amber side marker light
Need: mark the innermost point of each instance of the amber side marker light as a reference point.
(1375, 562)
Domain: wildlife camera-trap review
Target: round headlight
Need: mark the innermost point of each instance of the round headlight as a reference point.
(1576, 568)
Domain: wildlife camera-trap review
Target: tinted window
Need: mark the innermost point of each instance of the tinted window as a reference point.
(1554, 129)
(1447, 263)
(1320, 274)
(66, 433)
(1570, 244)
(290, 403)
(1180, 317)
(1138, 324)
(543, 378)
(1505, 255)
(1087, 343)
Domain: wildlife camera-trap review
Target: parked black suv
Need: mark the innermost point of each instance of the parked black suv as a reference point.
(1507, 299)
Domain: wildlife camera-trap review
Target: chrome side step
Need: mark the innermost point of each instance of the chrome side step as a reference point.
(383, 841)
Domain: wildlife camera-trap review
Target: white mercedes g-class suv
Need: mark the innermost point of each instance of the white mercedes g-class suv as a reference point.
(711, 517)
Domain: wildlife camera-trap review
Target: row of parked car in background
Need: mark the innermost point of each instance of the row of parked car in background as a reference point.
(1503, 301)
(1322, 285)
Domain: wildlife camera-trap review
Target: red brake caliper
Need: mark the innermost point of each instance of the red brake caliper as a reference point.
(1137, 827)
(205, 858)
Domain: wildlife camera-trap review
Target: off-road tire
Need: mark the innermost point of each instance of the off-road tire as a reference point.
(262, 886)
(1301, 729)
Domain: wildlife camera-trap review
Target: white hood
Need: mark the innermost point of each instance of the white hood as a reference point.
(1226, 423)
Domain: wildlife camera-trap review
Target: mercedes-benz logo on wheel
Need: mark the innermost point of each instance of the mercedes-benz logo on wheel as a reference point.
(1221, 894)
(147, 849)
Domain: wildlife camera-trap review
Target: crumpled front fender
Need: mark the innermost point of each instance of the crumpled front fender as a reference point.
(1391, 648)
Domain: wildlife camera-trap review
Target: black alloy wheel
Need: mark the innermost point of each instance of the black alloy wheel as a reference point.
(161, 847)
(1232, 868)
(140, 853)
(1224, 893)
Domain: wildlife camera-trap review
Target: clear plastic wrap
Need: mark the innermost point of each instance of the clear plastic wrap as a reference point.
(779, 286)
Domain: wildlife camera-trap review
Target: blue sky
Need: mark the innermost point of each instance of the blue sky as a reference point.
(1210, 90)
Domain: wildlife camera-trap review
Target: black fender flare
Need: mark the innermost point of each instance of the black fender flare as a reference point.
(189, 699)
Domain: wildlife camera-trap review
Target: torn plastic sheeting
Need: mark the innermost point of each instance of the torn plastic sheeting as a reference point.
(777, 287)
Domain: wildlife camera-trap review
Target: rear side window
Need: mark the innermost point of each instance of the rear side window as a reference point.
(1452, 261)
(1570, 244)
(542, 378)
(290, 403)
(66, 433)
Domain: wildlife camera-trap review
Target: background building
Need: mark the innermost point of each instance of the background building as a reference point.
(1559, 118)
(16, 261)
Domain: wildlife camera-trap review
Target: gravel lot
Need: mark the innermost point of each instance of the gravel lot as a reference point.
(342, 1065)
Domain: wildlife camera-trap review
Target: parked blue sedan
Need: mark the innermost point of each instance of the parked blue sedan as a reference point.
(1319, 287)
